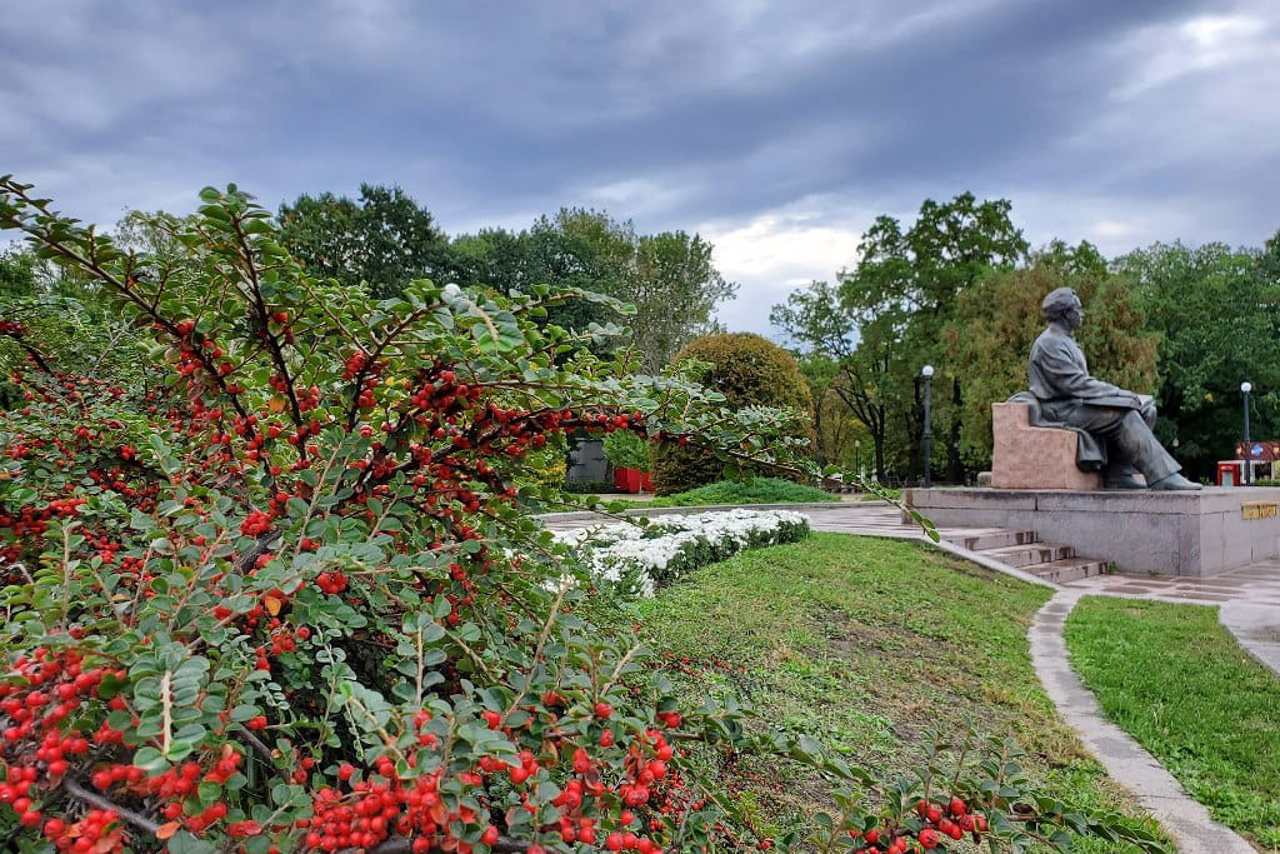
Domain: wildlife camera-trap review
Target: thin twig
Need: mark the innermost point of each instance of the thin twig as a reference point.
(537, 653)
(254, 742)
(80, 793)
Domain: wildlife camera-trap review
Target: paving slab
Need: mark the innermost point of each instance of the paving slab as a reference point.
(1257, 627)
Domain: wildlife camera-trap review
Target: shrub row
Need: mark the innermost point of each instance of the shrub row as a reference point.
(642, 558)
(753, 490)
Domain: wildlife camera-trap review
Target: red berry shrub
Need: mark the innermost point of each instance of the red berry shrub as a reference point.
(277, 592)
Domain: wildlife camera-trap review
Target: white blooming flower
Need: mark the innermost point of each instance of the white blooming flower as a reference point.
(674, 544)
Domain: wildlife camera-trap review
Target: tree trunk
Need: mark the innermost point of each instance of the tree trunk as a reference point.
(914, 424)
(955, 466)
(819, 450)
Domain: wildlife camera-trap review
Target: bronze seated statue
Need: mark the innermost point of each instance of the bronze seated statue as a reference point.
(1114, 425)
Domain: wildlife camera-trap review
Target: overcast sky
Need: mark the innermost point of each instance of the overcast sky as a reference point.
(776, 129)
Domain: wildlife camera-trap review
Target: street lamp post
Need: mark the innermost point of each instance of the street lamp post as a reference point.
(857, 456)
(926, 439)
(1245, 388)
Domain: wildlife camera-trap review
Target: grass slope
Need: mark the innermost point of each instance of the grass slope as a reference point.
(870, 644)
(754, 490)
(1177, 681)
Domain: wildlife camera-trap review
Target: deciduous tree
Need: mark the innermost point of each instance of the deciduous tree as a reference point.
(384, 239)
(884, 319)
(1217, 313)
(669, 277)
(675, 288)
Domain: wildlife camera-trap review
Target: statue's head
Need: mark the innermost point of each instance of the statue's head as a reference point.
(1063, 306)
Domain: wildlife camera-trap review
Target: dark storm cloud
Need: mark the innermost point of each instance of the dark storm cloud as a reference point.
(778, 128)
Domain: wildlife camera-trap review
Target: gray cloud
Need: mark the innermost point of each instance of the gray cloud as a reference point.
(779, 129)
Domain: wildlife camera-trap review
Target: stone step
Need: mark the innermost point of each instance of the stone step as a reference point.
(1029, 554)
(1067, 570)
(976, 541)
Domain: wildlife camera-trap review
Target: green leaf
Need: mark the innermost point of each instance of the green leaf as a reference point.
(183, 842)
(150, 760)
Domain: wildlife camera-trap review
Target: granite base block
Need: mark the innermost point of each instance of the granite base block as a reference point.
(1164, 533)
(1027, 457)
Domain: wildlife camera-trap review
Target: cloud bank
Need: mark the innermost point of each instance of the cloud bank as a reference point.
(777, 129)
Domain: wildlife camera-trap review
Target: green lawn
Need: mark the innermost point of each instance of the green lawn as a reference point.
(1177, 681)
(869, 644)
(753, 490)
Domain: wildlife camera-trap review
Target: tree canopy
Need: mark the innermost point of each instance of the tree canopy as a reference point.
(669, 277)
(1216, 311)
(384, 238)
(883, 319)
(997, 319)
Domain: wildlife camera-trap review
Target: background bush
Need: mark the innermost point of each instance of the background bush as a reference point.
(545, 467)
(753, 490)
(749, 370)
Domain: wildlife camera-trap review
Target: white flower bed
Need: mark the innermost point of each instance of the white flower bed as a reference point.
(674, 545)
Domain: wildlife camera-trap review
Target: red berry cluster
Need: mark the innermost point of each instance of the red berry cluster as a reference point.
(366, 372)
(41, 693)
(952, 823)
(98, 832)
(332, 583)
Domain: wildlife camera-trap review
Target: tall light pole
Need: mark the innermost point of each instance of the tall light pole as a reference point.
(926, 439)
(857, 456)
(1245, 388)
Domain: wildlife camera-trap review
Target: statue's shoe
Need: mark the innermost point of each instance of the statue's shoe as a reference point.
(1175, 481)
(1125, 482)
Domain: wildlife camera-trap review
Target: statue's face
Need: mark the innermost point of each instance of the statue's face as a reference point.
(1063, 307)
(1074, 316)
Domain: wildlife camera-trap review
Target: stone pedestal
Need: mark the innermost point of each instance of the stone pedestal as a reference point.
(1165, 533)
(1026, 457)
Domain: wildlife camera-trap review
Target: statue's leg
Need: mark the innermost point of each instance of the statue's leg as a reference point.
(1137, 446)
(1130, 442)
(1120, 472)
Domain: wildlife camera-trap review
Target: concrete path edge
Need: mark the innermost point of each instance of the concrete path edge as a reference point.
(1185, 819)
(1256, 628)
